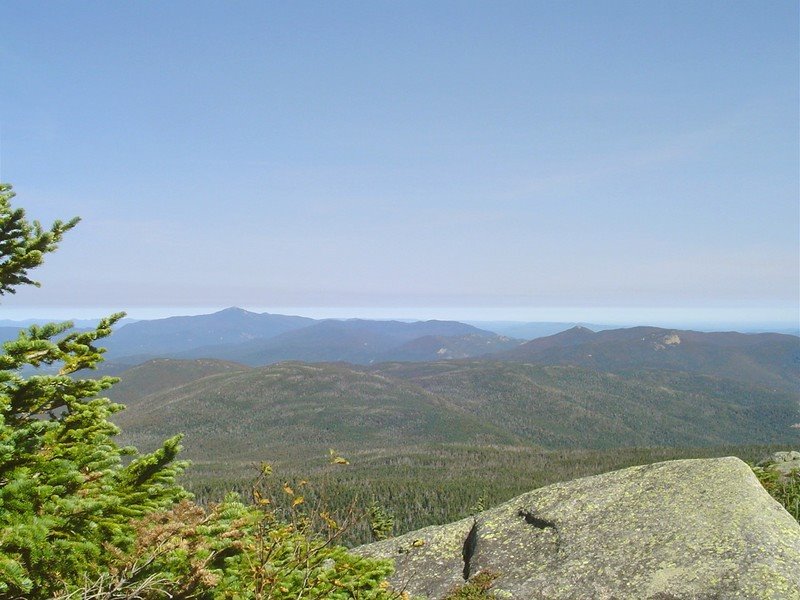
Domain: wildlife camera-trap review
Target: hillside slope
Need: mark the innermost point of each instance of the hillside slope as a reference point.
(232, 413)
(439, 347)
(162, 374)
(297, 410)
(557, 406)
(770, 359)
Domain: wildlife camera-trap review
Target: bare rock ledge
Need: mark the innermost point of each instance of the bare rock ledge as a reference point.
(687, 529)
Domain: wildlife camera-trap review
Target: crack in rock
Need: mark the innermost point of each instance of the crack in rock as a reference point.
(467, 552)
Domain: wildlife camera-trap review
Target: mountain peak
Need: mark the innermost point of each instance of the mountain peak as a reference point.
(577, 332)
(234, 310)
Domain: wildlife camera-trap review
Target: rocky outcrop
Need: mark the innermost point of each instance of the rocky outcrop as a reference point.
(689, 529)
(784, 462)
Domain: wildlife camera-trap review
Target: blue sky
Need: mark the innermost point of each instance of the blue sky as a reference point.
(515, 157)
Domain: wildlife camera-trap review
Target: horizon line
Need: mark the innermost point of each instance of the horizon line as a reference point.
(617, 316)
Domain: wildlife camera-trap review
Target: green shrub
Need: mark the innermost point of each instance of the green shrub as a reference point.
(477, 588)
(784, 488)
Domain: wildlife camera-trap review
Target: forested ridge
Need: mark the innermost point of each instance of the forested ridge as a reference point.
(233, 415)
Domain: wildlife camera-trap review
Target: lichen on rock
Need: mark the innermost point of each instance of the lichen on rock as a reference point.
(682, 529)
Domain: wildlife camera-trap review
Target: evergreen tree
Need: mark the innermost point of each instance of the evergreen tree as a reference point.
(66, 498)
(78, 522)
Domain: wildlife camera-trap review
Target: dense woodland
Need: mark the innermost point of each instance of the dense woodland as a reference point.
(432, 485)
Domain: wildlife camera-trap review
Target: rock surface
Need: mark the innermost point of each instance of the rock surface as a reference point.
(689, 529)
(784, 462)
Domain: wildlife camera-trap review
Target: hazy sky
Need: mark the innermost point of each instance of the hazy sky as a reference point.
(517, 156)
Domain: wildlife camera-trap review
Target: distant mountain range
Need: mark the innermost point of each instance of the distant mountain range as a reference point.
(537, 329)
(253, 339)
(770, 359)
(363, 342)
(533, 330)
(166, 337)
(259, 339)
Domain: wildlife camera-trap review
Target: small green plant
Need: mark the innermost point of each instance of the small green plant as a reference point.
(234, 551)
(477, 588)
(784, 488)
(480, 504)
(381, 521)
(292, 552)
